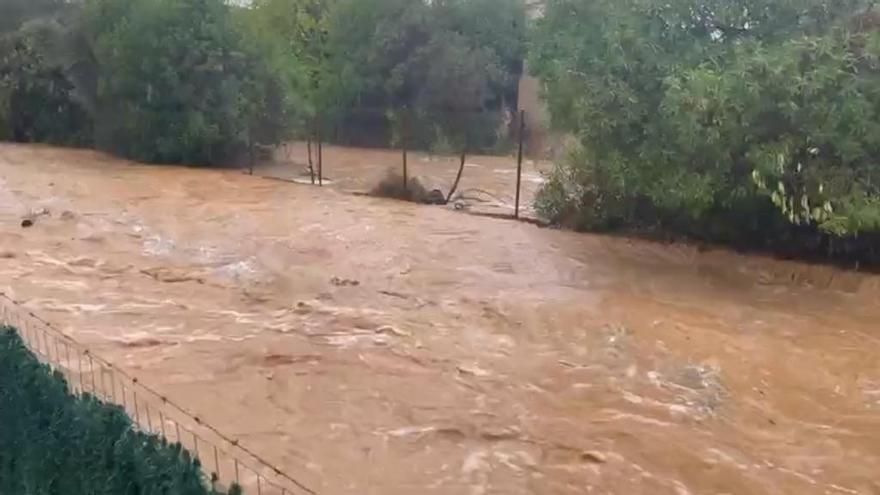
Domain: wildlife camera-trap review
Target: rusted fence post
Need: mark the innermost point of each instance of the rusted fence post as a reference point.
(251, 156)
(404, 132)
(149, 418)
(216, 462)
(92, 372)
(519, 157)
(82, 376)
(320, 155)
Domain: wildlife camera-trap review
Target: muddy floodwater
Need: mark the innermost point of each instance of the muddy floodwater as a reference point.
(378, 347)
(487, 184)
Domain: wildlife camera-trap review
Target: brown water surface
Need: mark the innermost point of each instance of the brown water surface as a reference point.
(487, 184)
(379, 347)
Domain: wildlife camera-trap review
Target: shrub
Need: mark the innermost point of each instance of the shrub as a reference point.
(36, 98)
(695, 112)
(54, 443)
(175, 84)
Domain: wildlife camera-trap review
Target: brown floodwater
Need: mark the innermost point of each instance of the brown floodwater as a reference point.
(372, 346)
(487, 184)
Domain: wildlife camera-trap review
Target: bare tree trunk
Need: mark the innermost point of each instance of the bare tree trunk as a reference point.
(457, 178)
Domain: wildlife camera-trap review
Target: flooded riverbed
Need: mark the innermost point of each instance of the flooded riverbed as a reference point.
(487, 184)
(379, 347)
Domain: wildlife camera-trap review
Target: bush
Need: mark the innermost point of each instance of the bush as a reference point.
(440, 72)
(694, 113)
(36, 98)
(391, 186)
(175, 84)
(54, 443)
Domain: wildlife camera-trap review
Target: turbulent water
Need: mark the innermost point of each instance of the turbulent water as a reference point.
(379, 347)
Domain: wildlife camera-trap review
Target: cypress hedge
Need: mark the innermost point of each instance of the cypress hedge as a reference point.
(55, 443)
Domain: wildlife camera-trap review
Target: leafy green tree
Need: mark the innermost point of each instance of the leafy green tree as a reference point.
(175, 84)
(688, 112)
(289, 35)
(200, 81)
(451, 66)
(37, 100)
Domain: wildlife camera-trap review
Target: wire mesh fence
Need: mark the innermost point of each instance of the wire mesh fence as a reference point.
(224, 459)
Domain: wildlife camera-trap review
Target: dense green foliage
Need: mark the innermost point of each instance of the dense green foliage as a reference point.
(728, 119)
(169, 79)
(447, 69)
(36, 101)
(199, 81)
(453, 64)
(52, 443)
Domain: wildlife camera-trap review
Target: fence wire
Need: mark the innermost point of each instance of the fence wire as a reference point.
(224, 459)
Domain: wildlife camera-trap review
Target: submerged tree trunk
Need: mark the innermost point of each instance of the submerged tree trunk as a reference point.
(457, 177)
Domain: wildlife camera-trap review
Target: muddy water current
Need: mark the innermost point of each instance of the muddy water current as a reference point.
(487, 184)
(379, 347)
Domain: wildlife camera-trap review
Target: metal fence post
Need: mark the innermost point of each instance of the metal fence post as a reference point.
(103, 383)
(519, 157)
(216, 462)
(92, 372)
(47, 346)
(404, 133)
(149, 419)
(320, 158)
(69, 365)
(251, 155)
(82, 380)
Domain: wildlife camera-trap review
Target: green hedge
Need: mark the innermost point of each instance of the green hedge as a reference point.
(54, 443)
